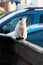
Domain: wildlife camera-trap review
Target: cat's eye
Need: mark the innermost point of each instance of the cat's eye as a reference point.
(20, 18)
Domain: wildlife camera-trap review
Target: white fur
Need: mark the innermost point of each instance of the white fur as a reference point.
(20, 29)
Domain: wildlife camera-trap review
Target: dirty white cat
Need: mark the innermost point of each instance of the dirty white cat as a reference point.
(20, 29)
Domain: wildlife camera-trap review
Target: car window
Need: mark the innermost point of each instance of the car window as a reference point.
(36, 38)
(10, 25)
(30, 19)
(41, 19)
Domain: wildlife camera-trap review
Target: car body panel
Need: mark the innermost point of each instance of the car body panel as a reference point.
(34, 28)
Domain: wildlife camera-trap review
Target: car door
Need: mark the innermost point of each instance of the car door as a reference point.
(36, 37)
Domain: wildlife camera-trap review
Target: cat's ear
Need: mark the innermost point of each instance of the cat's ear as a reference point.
(25, 19)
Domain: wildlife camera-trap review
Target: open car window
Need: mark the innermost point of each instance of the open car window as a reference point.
(36, 38)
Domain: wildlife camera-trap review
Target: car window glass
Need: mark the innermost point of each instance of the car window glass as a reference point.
(30, 19)
(10, 26)
(41, 19)
(36, 38)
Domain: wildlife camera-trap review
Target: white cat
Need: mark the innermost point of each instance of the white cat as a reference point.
(20, 29)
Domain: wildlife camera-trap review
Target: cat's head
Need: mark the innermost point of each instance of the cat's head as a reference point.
(22, 19)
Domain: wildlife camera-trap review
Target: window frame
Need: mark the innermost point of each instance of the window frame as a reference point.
(40, 19)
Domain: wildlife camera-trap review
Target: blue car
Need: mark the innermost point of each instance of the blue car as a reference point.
(34, 23)
(30, 49)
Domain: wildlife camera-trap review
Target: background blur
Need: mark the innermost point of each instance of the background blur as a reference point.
(10, 5)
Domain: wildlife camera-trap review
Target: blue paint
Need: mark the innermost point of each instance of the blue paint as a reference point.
(36, 37)
(34, 30)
